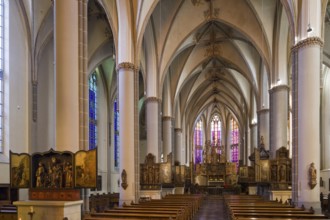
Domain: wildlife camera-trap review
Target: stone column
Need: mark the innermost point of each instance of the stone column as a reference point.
(263, 123)
(178, 144)
(279, 107)
(152, 123)
(126, 85)
(167, 135)
(253, 137)
(306, 120)
(66, 35)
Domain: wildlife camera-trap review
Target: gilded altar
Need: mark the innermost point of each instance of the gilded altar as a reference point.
(154, 176)
(214, 170)
(275, 172)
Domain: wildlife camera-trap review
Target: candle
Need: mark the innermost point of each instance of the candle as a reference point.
(31, 208)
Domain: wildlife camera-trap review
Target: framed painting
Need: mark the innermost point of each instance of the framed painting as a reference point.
(85, 164)
(20, 170)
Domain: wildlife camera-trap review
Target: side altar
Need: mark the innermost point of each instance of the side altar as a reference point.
(54, 180)
(270, 178)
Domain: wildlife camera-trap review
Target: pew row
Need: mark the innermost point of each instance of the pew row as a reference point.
(246, 207)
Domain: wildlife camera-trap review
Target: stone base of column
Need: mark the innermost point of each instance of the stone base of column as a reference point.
(316, 206)
(123, 202)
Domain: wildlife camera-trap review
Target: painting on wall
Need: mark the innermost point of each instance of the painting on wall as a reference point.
(20, 170)
(86, 169)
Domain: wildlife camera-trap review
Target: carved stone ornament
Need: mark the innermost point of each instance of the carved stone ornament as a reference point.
(312, 175)
(124, 179)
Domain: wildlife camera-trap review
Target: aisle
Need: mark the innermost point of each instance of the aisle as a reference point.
(212, 208)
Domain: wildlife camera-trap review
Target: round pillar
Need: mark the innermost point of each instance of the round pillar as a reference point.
(126, 85)
(263, 123)
(167, 135)
(178, 144)
(279, 106)
(306, 120)
(152, 121)
(66, 34)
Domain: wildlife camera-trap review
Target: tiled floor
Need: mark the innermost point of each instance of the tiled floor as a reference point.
(212, 208)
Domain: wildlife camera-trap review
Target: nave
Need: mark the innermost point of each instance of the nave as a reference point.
(212, 208)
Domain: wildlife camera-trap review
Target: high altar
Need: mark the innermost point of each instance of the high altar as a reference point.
(214, 170)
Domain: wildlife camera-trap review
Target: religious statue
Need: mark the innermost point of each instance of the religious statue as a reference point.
(55, 173)
(40, 175)
(124, 179)
(312, 176)
(68, 174)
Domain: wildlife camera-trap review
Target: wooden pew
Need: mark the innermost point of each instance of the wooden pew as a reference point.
(277, 215)
(181, 211)
(101, 202)
(147, 211)
(8, 212)
(134, 215)
(248, 208)
(187, 210)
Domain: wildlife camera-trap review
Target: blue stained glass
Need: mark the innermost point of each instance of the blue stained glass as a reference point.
(116, 133)
(92, 111)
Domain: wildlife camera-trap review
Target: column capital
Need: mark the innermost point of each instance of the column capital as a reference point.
(310, 41)
(177, 129)
(127, 66)
(265, 110)
(253, 125)
(152, 99)
(279, 88)
(167, 118)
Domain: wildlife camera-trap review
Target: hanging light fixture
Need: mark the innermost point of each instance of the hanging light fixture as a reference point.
(309, 28)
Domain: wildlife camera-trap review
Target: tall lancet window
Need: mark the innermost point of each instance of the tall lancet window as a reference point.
(1, 72)
(92, 111)
(116, 132)
(234, 142)
(198, 141)
(216, 131)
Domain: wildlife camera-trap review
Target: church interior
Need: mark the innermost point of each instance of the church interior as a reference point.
(160, 109)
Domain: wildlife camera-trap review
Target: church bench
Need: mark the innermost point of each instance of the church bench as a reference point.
(267, 208)
(100, 202)
(275, 218)
(187, 210)
(134, 215)
(197, 199)
(181, 211)
(324, 202)
(277, 215)
(147, 211)
(8, 212)
(187, 206)
(117, 218)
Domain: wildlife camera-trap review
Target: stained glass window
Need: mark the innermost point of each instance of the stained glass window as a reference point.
(234, 141)
(92, 111)
(1, 71)
(216, 130)
(198, 140)
(116, 130)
